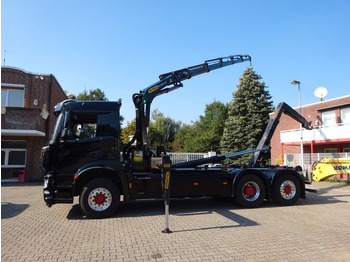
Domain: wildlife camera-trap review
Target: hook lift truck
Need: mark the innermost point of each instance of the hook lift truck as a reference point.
(83, 157)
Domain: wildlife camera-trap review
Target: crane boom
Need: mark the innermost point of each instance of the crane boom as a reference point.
(271, 127)
(144, 98)
(174, 78)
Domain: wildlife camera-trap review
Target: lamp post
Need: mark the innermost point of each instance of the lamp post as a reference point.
(295, 82)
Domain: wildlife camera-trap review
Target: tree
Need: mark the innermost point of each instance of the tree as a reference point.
(162, 130)
(128, 132)
(184, 138)
(248, 114)
(211, 127)
(204, 134)
(94, 95)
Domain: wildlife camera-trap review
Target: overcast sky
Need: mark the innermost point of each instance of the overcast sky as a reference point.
(121, 47)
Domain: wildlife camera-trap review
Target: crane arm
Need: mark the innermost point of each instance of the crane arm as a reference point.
(169, 82)
(271, 127)
(174, 78)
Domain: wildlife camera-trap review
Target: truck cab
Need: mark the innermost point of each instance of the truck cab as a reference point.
(86, 135)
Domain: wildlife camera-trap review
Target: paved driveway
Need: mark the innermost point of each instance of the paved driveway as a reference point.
(204, 229)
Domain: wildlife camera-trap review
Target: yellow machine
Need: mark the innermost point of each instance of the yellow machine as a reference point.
(328, 167)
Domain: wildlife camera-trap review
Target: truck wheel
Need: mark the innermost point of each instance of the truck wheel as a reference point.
(250, 191)
(286, 190)
(99, 198)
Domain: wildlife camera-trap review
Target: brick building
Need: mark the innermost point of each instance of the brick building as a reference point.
(331, 133)
(27, 120)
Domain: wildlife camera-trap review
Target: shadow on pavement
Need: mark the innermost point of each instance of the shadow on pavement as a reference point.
(326, 195)
(9, 210)
(15, 184)
(178, 207)
(155, 207)
(208, 205)
(240, 221)
(326, 190)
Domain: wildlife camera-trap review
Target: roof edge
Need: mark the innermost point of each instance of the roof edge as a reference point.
(21, 132)
(24, 71)
(341, 97)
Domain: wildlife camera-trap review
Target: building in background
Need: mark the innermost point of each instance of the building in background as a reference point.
(329, 138)
(27, 120)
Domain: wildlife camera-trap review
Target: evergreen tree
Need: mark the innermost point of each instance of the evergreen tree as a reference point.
(248, 115)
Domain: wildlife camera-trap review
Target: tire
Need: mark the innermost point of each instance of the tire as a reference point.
(99, 198)
(250, 191)
(286, 190)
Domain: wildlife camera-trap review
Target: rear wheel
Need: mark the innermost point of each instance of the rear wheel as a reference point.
(250, 191)
(99, 198)
(286, 190)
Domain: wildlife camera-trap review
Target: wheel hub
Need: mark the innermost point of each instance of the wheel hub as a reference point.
(249, 190)
(100, 199)
(288, 189)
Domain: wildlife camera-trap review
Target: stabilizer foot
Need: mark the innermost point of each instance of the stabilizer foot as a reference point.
(167, 231)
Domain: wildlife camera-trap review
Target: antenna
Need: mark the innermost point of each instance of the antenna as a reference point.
(4, 57)
(321, 92)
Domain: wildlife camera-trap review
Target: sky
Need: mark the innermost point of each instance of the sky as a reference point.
(122, 46)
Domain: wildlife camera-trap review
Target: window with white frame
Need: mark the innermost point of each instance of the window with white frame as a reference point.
(13, 154)
(328, 118)
(345, 115)
(12, 95)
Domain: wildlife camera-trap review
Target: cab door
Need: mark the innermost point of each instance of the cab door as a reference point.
(78, 144)
(86, 137)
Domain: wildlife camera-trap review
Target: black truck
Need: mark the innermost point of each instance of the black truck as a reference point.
(84, 158)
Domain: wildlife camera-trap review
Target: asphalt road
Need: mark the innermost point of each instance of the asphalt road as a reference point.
(204, 229)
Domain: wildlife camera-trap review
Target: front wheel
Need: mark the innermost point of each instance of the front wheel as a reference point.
(286, 190)
(99, 198)
(250, 191)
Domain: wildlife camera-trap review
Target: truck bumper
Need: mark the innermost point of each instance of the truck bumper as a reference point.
(48, 189)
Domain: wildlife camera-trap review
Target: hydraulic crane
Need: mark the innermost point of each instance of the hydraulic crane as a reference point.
(169, 82)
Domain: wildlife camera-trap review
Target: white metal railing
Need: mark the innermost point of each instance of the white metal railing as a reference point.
(294, 160)
(184, 157)
(339, 131)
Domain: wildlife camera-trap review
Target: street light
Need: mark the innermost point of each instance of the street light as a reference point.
(295, 82)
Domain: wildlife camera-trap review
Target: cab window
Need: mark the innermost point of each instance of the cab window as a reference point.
(81, 126)
(84, 125)
(84, 130)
